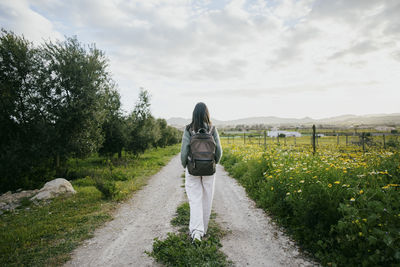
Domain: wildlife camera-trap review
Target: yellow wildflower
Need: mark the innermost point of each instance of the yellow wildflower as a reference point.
(329, 185)
(337, 182)
(361, 192)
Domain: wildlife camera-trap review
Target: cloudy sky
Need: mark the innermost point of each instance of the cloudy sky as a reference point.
(288, 58)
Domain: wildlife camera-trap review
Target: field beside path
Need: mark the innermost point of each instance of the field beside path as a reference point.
(45, 235)
(340, 204)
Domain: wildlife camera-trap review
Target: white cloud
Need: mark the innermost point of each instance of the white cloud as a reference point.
(230, 53)
(19, 17)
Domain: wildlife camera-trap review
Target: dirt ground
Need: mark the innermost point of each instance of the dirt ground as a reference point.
(252, 239)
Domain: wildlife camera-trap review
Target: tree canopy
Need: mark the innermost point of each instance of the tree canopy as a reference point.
(58, 100)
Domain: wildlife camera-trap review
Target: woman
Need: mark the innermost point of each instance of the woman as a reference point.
(199, 189)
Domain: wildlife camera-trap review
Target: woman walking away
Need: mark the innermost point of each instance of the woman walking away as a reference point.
(201, 151)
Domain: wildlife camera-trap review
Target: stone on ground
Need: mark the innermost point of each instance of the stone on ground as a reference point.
(54, 188)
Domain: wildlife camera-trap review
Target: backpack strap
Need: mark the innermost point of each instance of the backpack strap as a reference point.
(212, 130)
(192, 132)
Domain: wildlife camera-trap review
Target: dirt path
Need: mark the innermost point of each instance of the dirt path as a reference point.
(122, 241)
(253, 240)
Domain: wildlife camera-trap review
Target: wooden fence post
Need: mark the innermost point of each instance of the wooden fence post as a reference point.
(265, 139)
(294, 140)
(384, 141)
(313, 138)
(244, 138)
(337, 139)
(363, 141)
(347, 141)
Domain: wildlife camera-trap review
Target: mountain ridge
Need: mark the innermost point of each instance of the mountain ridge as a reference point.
(341, 120)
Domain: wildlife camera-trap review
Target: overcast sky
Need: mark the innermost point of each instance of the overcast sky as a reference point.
(287, 58)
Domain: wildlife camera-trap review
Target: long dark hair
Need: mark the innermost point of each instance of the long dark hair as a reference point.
(200, 117)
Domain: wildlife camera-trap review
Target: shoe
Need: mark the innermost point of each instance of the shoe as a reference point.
(196, 237)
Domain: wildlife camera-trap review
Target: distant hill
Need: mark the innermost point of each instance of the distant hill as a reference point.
(343, 120)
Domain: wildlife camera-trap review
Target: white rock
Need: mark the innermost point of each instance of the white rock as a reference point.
(54, 188)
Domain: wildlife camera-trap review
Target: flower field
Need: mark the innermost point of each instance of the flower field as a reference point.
(341, 205)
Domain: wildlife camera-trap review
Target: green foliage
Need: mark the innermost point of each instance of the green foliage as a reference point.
(113, 126)
(106, 187)
(393, 143)
(75, 83)
(343, 207)
(142, 130)
(182, 217)
(58, 101)
(23, 135)
(52, 98)
(179, 250)
(119, 175)
(45, 235)
(169, 134)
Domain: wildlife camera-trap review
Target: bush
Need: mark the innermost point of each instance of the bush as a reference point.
(393, 143)
(119, 176)
(106, 187)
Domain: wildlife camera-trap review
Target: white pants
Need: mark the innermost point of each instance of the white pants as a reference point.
(200, 192)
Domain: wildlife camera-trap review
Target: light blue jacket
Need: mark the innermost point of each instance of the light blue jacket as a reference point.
(186, 146)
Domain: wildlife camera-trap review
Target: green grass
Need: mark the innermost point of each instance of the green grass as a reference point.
(341, 206)
(178, 250)
(45, 235)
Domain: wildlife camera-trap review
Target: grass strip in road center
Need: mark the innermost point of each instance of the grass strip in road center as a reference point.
(178, 250)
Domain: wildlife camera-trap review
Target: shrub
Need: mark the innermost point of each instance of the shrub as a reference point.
(119, 176)
(106, 187)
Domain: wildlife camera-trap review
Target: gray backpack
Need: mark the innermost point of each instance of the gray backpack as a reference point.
(202, 152)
